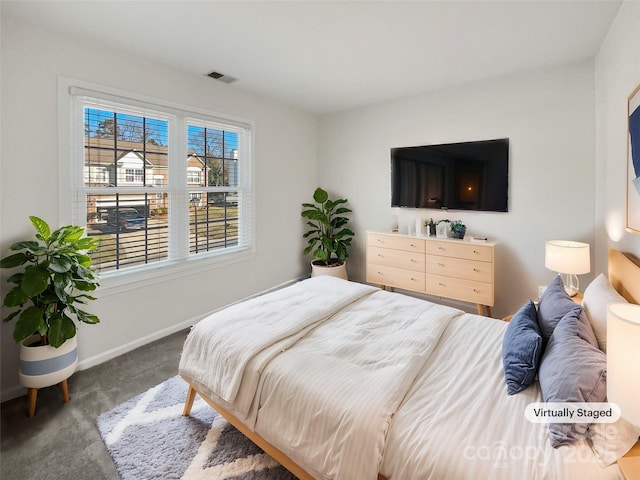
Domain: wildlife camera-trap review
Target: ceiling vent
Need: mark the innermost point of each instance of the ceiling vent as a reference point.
(222, 77)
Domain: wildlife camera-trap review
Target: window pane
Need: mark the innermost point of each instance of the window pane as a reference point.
(195, 172)
(127, 194)
(213, 224)
(217, 153)
(123, 150)
(132, 229)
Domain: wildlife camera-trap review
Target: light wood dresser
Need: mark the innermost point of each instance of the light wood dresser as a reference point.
(449, 268)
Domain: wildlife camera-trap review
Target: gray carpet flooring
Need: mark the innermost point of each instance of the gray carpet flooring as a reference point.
(62, 441)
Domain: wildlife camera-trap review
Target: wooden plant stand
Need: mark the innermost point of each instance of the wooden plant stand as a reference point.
(32, 396)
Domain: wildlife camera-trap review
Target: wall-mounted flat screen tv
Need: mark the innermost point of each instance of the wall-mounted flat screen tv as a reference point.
(458, 176)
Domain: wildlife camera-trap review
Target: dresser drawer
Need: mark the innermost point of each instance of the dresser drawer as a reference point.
(469, 251)
(408, 244)
(396, 258)
(460, 289)
(395, 277)
(460, 268)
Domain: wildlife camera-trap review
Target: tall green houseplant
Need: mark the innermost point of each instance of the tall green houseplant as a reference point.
(328, 238)
(50, 287)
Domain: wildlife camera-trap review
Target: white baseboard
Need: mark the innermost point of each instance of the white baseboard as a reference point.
(127, 347)
(152, 337)
(18, 390)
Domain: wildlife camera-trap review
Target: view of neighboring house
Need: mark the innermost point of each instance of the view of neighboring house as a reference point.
(121, 163)
(127, 182)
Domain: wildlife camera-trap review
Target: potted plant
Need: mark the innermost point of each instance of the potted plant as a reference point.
(328, 237)
(47, 294)
(458, 229)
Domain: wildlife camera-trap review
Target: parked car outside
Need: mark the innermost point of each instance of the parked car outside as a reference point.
(126, 218)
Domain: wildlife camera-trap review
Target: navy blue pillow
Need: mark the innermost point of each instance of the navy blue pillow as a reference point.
(554, 305)
(573, 369)
(521, 349)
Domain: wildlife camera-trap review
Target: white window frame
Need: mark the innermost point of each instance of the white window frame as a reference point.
(73, 194)
(134, 176)
(194, 172)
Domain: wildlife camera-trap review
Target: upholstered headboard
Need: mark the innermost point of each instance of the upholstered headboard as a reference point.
(624, 274)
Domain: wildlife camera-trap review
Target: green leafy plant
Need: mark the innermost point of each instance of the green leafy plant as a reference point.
(458, 228)
(47, 292)
(328, 237)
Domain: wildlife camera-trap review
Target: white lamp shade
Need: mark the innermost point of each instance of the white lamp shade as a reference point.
(564, 256)
(623, 359)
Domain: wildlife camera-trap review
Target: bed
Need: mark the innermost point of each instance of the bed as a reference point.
(339, 380)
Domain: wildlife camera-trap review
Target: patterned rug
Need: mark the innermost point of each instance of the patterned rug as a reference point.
(148, 438)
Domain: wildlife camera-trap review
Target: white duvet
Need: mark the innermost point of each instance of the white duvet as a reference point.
(220, 346)
(330, 400)
(349, 381)
(458, 422)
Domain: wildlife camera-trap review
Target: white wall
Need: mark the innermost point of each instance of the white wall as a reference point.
(285, 174)
(617, 74)
(549, 119)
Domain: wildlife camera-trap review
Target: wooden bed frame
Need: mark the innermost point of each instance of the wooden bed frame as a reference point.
(277, 454)
(624, 275)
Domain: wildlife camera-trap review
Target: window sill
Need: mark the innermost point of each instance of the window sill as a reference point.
(113, 283)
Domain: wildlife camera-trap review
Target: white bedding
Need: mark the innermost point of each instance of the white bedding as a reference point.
(221, 345)
(457, 418)
(366, 381)
(330, 399)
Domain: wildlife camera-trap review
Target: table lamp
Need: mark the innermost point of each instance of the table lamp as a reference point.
(623, 359)
(569, 259)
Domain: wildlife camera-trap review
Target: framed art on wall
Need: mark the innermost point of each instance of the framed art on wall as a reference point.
(633, 163)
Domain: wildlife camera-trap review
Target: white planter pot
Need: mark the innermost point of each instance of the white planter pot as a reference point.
(43, 365)
(339, 271)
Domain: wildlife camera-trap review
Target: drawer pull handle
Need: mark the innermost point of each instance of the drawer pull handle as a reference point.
(440, 264)
(380, 273)
(441, 284)
(412, 245)
(413, 260)
(475, 290)
(380, 255)
(413, 279)
(475, 251)
(475, 269)
(440, 248)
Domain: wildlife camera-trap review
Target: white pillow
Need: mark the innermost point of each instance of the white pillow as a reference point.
(596, 297)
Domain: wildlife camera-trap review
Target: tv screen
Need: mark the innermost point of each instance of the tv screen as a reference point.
(459, 176)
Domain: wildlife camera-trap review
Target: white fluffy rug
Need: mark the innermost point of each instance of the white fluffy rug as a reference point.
(148, 438)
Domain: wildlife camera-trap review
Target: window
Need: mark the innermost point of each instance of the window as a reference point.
(194, 175)
(158, 181)
(195, 199)
(159, 185)
(134, 175)
(215, 225)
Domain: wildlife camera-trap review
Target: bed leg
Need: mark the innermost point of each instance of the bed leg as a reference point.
(188, 403)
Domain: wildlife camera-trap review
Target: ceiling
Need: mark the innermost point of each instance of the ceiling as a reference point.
(324, 56)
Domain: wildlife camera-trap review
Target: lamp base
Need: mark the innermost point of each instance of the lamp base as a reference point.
(571, 284)
(572, 292)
